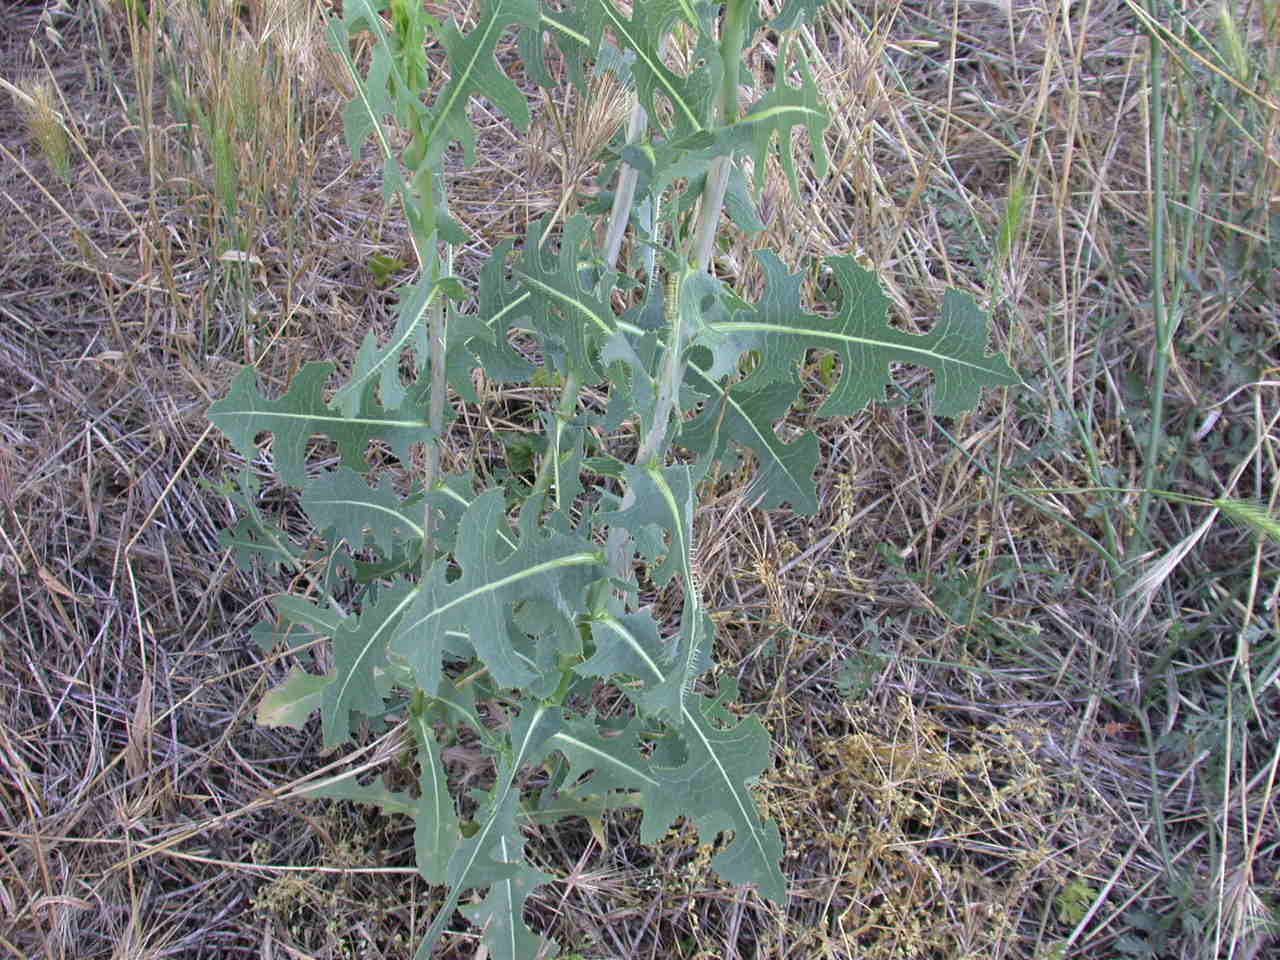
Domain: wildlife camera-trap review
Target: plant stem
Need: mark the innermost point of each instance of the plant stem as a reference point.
(623, 197)
(669, 380)
(724, 110)
(547, 470)
(732, 36)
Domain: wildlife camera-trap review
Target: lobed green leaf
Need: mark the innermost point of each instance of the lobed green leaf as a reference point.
(474, 71)
(641, 34)
(745, 414)
(342, 506)
(493, 856)
(494, 579)
(360, 662)
(303, 413)
(859, 333)
(711, 788)
(571, 315)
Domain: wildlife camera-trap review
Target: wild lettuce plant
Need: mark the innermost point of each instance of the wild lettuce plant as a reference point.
(514, 612)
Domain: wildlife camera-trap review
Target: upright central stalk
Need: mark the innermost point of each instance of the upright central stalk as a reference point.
(669, 378)
(725, 110)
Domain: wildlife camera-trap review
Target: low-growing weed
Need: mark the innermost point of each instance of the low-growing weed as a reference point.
(511, 612)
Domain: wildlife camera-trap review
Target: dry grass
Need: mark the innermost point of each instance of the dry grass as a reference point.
(984, 748)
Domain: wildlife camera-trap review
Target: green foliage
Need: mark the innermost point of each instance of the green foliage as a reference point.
(1074, 902)
(384, 268)
(525, 595)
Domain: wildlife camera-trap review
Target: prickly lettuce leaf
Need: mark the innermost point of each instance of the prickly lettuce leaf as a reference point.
(360, 662)
(374, 794)
(254, 536)
(500, 914)
(745, 414)
(664, 498)
(381, 365)
(436, 835)
(565, 444)
(342, 506)
(859, 333)
(615, 762)
(303, 413)
(474, 72)
(576, 30)
(493, 856)
(767, 127)
(709, 783)
(776, 113)
(451, 497)
(493, 579)
(780, 332)
(689, 97)
(569, 312)
(499, 306)
(629, 645)
(291, 703)
(711, 788)
(383, 92)
(298, 622)
(301, 611)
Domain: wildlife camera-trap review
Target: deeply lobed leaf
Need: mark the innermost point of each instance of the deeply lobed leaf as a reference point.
(302, 413)
(342, 506)
(493, 580)
(474, 71)
(360, 662)
(859, 333)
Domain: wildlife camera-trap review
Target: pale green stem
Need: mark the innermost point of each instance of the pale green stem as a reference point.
(704, 235)
(725, 110)
(551, 459)
(619, 217)
(624, 196)
(654, 443)
(732, 37)
(669, 380)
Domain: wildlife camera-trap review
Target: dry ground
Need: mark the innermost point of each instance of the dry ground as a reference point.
(984, 747)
